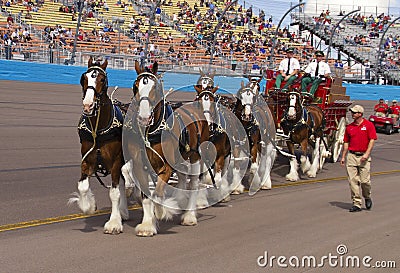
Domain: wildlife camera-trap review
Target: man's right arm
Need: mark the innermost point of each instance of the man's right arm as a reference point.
(344, 152)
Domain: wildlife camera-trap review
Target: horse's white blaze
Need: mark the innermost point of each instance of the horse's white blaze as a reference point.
(292, 104)
(88, 100)
(255, 88)
(204, 83)
(247, 100)
(206, 102)
(114, 225)
(144, 91)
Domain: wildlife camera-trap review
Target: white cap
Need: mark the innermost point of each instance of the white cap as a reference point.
(357, 109)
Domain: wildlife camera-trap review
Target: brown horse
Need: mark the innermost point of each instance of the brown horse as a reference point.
(217, 119)
(171, 142)
(257, 121)
(100, 131)
(303, 125)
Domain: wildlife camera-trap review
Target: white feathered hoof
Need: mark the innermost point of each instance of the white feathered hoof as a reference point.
(311, 174)
(238, 190)
(167, 210)
(189, 219)
(265, 187)
(113, 227)
(202, 202)
(226, 199)
(292, 177)
(145, 230)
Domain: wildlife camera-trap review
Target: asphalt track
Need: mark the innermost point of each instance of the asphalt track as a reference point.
(39, 168)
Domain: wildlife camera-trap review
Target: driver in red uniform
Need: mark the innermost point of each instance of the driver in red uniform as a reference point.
(381, 108)
(394, 111)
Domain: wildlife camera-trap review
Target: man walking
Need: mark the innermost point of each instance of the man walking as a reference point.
(359, 139)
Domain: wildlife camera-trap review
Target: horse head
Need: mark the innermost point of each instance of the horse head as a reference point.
(246, 99)
(254, 84)
(207, 100)
(294, 106)
(94, 84)
(148, 92)
(206, 80)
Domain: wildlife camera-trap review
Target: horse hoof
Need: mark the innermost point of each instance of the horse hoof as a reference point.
(189, 220)
(236, 192)
(265, 187)
(145, 230)
(226, 199)
(144, 234)
(112, 227)
(291, 179)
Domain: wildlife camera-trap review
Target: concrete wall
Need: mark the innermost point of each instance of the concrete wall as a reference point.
(35, 72)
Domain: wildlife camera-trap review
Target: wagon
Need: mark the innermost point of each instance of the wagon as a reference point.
(330, 97)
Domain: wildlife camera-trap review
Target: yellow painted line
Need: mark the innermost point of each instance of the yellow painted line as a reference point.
(65, 218)
(290, 184)
(59, 219)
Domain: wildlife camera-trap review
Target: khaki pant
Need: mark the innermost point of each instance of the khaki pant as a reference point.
(358, 173)
(380, 114)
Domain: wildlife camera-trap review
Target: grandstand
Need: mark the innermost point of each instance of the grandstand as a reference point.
(175, 33)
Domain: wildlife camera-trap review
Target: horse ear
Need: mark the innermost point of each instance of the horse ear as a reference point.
(138, 68)
(201, 72)
(212, 74)
(242, 84)
(90, 62)
(198, 89)
(215, 89)
(104, 65)
(154, 68)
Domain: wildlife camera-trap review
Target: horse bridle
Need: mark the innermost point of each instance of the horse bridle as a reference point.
(147, 75)
(247, 90)
(98, 95)
(210, 82)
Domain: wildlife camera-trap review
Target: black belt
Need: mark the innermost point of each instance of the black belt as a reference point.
(356, 153)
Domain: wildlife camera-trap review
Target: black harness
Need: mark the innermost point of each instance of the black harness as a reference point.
(300, 124)
(112, 131)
